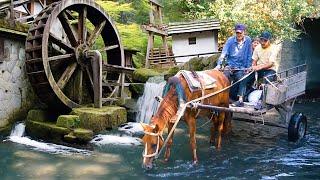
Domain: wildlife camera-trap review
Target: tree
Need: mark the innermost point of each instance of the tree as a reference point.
(277, 16)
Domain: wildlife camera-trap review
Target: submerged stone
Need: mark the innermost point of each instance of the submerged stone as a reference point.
(100, 119)
(70, 138)
(84, 135)
(68, 121)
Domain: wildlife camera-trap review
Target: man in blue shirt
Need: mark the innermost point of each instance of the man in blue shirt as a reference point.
(237, 52)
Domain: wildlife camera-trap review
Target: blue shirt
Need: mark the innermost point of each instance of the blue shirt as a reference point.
(237, 55)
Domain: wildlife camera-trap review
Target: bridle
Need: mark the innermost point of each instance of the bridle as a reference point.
(159, 136)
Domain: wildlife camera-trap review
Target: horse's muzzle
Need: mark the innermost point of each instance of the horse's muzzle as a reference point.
(147, 166)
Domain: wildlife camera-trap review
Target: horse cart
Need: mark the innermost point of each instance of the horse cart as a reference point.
(280, 94)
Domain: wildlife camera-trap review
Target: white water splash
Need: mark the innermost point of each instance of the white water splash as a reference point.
(16, 136)
(18, 130)
(115, 139)
(131, 128)
(147, 104)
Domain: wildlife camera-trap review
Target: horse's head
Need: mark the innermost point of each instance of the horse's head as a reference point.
(153, 142)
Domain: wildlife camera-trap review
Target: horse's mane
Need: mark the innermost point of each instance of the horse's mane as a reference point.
(175, 81)
(173, 94)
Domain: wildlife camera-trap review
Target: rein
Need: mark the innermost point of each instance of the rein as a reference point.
(180, 112)
(193, 103)
(159, 136)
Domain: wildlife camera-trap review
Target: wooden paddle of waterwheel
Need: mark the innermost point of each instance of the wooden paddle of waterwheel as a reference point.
(64, 50)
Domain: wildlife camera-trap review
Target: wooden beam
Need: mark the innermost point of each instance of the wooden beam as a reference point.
(61, 57)
(96, 32)
(201, 54)
(65, 77)
(115, 68)
(67, 27)
(155, 30)
(231, 109)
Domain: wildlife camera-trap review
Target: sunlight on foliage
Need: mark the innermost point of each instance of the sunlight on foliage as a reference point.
(277, 16)
(114, 9)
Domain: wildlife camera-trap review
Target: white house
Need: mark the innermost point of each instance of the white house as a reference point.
(193, 38)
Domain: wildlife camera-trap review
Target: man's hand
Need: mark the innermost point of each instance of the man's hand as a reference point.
(248, 70)
(255, 68)
(218, 67)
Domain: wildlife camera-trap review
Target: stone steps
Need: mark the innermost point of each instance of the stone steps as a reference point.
(78, 127)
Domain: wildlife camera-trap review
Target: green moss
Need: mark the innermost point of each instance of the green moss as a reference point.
(100, 119)
(70, 138)
(211, 62)
(46, 130)
(143, 74)
(16, 26)
(136, 89)
(83, 134)
(201, 63)
(37, 115)
(68, 121)
(5, 131)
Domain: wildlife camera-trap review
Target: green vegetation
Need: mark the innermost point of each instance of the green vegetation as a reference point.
(16, 26)
(100, 119)
(278, 16)
(68, 121)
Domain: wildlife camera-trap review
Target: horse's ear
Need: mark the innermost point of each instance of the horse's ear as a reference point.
(156, 129)
(144, 125)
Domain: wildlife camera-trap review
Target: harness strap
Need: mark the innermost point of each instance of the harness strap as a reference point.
(159, 136)
(194, 101)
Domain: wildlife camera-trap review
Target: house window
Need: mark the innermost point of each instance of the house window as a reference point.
(192, 40)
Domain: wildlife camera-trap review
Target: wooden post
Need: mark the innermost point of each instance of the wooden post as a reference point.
(32, 4)
(160, 14)
(151, 15)
(12, 10)
(149, 48)
(155, 28)
(96, 62)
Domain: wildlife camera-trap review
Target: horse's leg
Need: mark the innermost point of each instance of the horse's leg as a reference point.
(221, 117)
(227, 126)
(213, 129)
(191, 122)
(168, 147)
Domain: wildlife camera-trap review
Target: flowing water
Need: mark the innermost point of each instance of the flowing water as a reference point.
(246, 154)
(249, 152)
(147, 104)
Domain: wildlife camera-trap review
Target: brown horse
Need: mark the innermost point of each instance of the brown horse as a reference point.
(168, 108)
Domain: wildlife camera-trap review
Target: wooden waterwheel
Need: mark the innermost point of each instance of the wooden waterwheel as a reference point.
(62, 48)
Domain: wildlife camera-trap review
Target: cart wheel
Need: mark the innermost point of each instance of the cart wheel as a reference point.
(297, 127)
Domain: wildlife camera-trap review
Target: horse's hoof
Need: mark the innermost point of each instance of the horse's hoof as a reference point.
(163, 161)
(195, 162)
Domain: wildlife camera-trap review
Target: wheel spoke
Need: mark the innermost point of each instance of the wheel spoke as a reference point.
(90, 76)
(61, 57)
(59, 42)
(82, 29)
(68, 29)
(65, 77)
(108, 48)
(96, 32)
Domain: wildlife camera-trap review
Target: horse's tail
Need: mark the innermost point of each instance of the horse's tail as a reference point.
(176, 83)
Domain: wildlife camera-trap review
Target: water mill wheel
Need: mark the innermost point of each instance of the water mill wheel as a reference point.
(60, 49)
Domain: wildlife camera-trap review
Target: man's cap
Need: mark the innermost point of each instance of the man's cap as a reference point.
(266, 35)
(240, 27)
